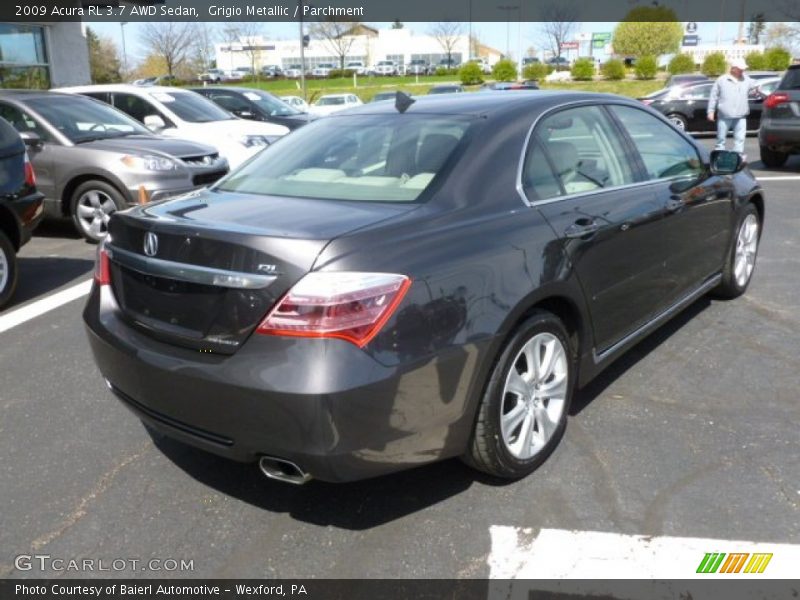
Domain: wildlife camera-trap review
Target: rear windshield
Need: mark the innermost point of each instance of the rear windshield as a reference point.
(371, 158)
(791, 80)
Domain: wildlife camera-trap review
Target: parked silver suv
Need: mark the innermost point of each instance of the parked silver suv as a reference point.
(92, 160)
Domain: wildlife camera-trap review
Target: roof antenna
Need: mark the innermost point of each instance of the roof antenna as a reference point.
(402, 102)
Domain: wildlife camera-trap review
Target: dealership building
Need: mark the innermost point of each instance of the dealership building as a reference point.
(364, 44)
(43, 55)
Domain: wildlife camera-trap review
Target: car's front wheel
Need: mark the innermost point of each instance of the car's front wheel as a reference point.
(772, 158)
(8, 269)
(523, 412)
(741, 260)
(679, 121)
(91, 207)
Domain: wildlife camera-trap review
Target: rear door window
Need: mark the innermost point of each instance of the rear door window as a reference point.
(136, 107)
(22, 121)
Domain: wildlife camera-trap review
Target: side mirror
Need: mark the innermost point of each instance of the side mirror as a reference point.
(31, 139)
(725, 162)
(244, 114)
(154, 123)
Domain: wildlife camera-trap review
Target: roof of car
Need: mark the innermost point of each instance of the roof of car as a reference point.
(31, 94)
(486, 103)
(123, 87)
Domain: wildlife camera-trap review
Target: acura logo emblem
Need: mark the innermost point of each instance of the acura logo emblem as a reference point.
(150, 243)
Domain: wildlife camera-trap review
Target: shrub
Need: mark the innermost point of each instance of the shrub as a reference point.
(613, 69)
(583, 69)
(714, 65)
(756, 61)
(536, 71)
(340, 73)
(681, 63)
(441, 72)
(646, 67)
(471, 74)
(505, 70)
(777, 59)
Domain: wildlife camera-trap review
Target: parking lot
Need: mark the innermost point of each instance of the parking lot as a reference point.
(692, 434)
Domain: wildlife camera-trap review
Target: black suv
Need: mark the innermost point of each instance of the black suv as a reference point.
(20, 206)
(779, 135)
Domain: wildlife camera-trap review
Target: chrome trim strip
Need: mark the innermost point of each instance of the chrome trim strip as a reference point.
(660, 319)
(521, 165)
(188, 272)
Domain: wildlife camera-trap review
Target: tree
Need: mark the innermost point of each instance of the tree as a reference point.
(559, 20)
(505, 70)
(447, 34)
(583, 69)
(337, 36)
(756, 28)
(104, 63)
(781, 34)
(646, 67)
(171, 40)
(204, 45)
(777, 59)
(714, 65)
(248, 34)
(681, 63)
(755, 61)
(648, 31)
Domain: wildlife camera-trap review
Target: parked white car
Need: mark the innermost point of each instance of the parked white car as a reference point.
(178, 113)
(322, 70)
(387, 67)
(357, 66)
(332, 103)
(293, 71)
(296, 102)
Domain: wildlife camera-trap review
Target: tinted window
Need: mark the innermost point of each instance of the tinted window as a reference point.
(136, 107)
(584, 149)
(22, 121)
(696, 92)
(538, 179)
(192, 107)
(270, 104)
(664, 151)
(371, 158)
(230, 102)
(791, 80)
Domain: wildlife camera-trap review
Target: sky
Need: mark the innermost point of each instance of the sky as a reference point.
(501, 36)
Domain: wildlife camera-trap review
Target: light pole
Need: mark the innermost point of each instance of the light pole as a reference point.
(124, 50)
(302, 52)
(508, 8)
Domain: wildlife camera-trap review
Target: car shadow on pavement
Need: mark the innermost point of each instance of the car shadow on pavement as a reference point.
(57, 228)
(630, 358)
(354, 506)
(42, 274)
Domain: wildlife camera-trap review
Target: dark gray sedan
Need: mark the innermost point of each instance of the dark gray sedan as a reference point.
(92, 160)
(400, 284)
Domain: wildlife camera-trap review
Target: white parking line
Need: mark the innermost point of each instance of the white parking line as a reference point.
(560, 554)
(40, 307)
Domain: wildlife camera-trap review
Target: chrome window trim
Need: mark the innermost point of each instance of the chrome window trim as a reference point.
(188, 272)
(526, 146)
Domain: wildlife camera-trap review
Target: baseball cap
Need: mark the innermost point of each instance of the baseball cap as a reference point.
(739, 64)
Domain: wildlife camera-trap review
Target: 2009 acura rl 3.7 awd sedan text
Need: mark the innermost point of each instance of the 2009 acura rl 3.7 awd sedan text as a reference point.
(401, 284)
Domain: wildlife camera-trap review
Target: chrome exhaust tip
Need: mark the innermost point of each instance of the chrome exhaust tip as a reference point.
(283, 470)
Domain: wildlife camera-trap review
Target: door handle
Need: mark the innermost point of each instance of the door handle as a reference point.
(581, 228)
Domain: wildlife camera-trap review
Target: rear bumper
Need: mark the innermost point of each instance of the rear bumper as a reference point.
(323, 404)
(780, 135)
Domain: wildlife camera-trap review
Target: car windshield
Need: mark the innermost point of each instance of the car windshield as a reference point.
(192, 107)
(330, 101)
(82, 119)
(383, 158)
(270, 104)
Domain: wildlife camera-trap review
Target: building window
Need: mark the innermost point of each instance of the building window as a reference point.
(23, 57)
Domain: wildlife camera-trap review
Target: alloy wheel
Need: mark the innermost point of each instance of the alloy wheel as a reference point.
(94, 210)
(746, 247)
(5, 270)
(534, 396)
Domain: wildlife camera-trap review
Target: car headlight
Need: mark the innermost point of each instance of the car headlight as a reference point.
(149, 162)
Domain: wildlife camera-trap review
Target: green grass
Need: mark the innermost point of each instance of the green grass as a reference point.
(369, 86)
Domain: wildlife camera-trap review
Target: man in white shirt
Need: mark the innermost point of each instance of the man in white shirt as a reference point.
(729, 105)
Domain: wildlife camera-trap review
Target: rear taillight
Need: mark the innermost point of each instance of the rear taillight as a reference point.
(102, 267)
(349, 306)
(775, 99)
(30, 176)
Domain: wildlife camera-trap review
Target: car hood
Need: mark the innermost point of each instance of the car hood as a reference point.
(151, 144)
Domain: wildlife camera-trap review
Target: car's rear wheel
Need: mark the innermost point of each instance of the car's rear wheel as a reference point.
(8, 269)
(772, 158)
(741, 261)
(523, 412)
(679, 121)
(91, 207)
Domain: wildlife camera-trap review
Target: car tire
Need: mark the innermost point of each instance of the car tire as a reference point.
(679, 121)
(8, 269)
(523, 413)
(740, 261)
(91, 205)
(772, 158)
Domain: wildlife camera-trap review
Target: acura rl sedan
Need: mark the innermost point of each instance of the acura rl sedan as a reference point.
(417, 280)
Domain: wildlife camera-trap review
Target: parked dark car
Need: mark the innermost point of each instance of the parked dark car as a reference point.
(446, 88)
(502, 86)
(255, 105)
(779, 135)
(20, 206)
(384, 96)
(686, 106)
(382, 289)
(557, 61)
(683, 79)
(92, 160)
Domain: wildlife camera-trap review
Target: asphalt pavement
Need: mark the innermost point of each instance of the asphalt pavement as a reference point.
(693, 434)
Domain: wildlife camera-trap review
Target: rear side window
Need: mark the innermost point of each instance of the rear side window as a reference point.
(584, 150)
(791, 80)
(697, 92)
(664, 151)
(22, 121)
(539, 182)
(134, 106)
(386, 158)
